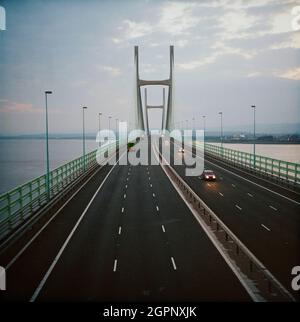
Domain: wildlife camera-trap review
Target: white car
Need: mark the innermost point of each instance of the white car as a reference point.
(181, 150)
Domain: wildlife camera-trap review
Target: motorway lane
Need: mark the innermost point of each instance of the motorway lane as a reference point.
(24, 274)
(276, 188)
(160, 252)
(272, 234)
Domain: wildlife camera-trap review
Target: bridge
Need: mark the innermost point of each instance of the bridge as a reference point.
(115, 232)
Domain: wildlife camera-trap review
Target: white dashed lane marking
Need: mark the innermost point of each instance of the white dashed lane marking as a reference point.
(268, 229)
(238, 207)
(173, 263)
(275, 209)
(163, 228)
(115, 265)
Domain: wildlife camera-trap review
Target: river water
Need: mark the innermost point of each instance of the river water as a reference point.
(285, 152)
(23, 160)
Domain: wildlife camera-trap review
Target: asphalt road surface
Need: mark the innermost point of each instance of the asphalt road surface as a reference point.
(263, 216)
(125, 236)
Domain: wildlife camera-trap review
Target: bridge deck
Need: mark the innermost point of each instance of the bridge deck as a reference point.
(265, 217)
(136, 240)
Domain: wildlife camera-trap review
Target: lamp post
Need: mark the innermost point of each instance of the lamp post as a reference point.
(47, 148)
(254, 135)
(221, 113)
(83, 137)
(117, 121)
(99, 115)
(109, 124)
(109, 129)
(204, 116)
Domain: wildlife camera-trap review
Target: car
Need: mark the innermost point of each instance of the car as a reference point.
(208, 175)
(181, 150)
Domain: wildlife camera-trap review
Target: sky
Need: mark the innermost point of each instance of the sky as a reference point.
(229, 55)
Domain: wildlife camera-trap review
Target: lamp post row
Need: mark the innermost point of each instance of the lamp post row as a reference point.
(48, 186)
(221, 130)
(48, 192)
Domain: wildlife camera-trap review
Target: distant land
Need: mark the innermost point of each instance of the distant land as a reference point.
(242, 132)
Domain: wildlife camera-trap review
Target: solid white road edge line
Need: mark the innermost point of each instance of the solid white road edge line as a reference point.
(218, 246)
(43, 281)
(14, 259)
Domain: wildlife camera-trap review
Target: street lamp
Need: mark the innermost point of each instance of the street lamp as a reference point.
(109, 123)
(204, 116)
(47, 148)
(221, 113)
(83, 137)
(254, 136)
(117, 120)
(109, 128)
(99, 115)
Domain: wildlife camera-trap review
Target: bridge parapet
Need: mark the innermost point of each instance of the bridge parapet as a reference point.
(277, 170)
(21, 203)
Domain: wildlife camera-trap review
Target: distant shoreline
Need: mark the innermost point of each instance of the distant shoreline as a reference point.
(257, 142)
(50, 138)
(89, 137)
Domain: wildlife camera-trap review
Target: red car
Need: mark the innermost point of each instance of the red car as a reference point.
(208, 175)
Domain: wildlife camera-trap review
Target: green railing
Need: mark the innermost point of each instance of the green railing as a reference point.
(283, 170)
(20, 203)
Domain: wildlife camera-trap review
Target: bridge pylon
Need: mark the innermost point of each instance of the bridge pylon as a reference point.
(167, 107)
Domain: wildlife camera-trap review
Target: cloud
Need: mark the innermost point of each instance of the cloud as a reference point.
(181, 43)
(114, 71)
(195, 64)
(116, 40)
(174, 18)
(236, 24)
(293, 74)
(219, 50)
(9, 107)
(136, 29)
(177, 18)
(254, 74)
(293, 41)
(147, 68)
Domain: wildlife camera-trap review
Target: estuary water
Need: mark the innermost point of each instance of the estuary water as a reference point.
(285, 152)
(23, 160)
